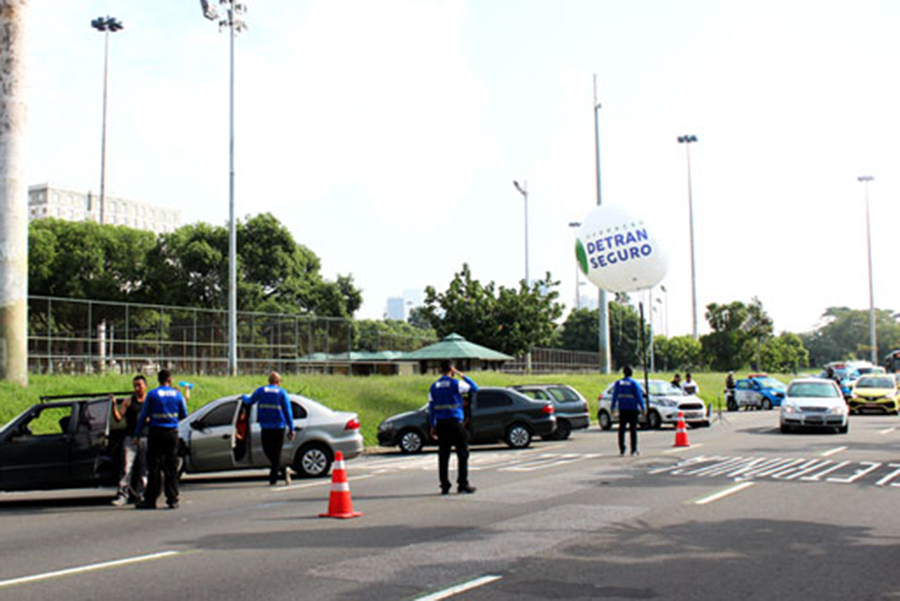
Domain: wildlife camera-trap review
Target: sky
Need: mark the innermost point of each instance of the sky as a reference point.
(386, 135)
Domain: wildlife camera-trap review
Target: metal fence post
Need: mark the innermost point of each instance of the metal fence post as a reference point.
(50, 335)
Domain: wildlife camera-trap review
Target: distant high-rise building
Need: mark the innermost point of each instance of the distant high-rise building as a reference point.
(45, 200)
(396, 308)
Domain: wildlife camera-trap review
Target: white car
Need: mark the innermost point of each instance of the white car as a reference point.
(813, 403)
(666, 401)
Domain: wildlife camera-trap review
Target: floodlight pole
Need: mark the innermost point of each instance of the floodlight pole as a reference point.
(602, 304)
(106, 25)
(523, 190)
(873, 341)
(687, 140)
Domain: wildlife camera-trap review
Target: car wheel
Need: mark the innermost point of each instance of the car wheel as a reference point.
(766, 405)
(313, 460)
(843, 429)
(411, 442)
(732, 405)
(654, 421)
(605, 421)
(785, 429)
(518, 436)
(563, 430)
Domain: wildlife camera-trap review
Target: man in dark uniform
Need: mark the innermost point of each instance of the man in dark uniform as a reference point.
(164, 407)
(628, 397)
(274, 414)
(446, 414)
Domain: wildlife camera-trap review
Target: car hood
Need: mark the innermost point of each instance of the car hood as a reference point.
(872, 393)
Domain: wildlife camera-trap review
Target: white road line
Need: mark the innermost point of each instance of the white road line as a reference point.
(319, 483)
(724, 493)
(832, 452)
(88, 568)
(682, 449)
(888, 431)
(460, 588)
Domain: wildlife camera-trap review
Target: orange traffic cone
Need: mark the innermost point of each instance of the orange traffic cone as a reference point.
(681, 437)
(339, 504)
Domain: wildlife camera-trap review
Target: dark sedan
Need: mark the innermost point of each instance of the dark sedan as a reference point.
(496, 414)
(572, 411)
(63, 442)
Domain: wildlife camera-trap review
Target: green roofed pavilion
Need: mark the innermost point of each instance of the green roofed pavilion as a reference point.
(467, 355)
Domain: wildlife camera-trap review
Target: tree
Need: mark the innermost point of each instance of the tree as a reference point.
(375, 335)
(784, 354)
(758, 326)
(724, 348)
(580, 332)
(677, 353)
(510, 320)
(844, 334)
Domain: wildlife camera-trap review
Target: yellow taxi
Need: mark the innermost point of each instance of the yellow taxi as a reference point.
(875, 392)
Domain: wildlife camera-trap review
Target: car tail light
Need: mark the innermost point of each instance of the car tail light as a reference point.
(548, 409)
(353, 424)
(586, 408)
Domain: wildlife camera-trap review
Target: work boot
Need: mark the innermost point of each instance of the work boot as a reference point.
(466, 490)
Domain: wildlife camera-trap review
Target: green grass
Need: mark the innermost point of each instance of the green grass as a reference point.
(373, 397)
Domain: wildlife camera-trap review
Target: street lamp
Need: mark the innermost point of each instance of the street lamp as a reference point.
(523, 190)
(576, 224)
(666, 314)
(233, 21)
(107, 25)
(687, 141)
(865, 179)
(602, 305)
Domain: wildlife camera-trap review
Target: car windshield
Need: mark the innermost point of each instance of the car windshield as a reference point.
(563, 394)
(875, 383)
(770, 382)
(660, 388)
(812, 389)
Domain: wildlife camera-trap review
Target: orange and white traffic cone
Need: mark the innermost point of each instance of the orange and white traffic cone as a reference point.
(340, 505)
(681, 437)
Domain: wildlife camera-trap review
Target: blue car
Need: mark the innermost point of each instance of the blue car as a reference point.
(756, 391)
(847, 375)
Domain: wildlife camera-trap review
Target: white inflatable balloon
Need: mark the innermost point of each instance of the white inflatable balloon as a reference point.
(619, 251)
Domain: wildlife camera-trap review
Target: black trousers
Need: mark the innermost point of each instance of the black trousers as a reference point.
(273, 442)
(162, 456)
(628, 418)
(452, 434)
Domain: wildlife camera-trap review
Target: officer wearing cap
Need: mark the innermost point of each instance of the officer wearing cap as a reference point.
(446, 414)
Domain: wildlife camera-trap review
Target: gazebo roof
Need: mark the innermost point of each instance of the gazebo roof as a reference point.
(455, 346)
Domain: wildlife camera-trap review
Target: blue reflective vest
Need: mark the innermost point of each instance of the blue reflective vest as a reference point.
(273, 410)
(627, 394)
(445, 399)
(164, 406)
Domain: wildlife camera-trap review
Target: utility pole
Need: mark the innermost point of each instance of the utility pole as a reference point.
(13, 192)
(602, 302)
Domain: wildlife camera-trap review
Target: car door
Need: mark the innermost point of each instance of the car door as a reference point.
(742, 393)
(90, 460)
(257, 457)
(212, 438)
(490, 412)
(35, 453)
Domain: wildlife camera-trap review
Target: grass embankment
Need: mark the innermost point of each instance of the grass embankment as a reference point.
(373, 397)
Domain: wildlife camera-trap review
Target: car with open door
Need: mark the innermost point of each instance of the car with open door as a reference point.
(225, 435)
(61, 442)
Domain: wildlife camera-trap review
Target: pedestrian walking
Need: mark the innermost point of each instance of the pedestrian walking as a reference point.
(133, 480)
(275, 417)
(162, 410)
(627, 395)
(446, 415)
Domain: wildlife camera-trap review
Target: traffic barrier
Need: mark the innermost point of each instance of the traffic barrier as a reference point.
(681, 437)
(340, 505)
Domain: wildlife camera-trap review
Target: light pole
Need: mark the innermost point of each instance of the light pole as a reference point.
(602, 305)
(233, 21)
(687, 141)
(873, 343)
(523, 190)
(665, 292)
(575, 225)
(107, 25)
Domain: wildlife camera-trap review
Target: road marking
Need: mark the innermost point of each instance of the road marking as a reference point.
(888, 431)
(88, 568)
(459, 588)
(724, 493)
(550, 460)
(832, 452)
(319, 483)
(682, 449)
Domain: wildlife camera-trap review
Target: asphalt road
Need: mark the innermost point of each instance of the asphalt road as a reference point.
(744, 513)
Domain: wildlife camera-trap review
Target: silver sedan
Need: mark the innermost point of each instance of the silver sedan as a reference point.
(210, 439)
(814, 403)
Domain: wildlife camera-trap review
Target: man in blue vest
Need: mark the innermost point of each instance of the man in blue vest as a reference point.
(446, 415)
(627, 395)
(164, 407)
(275, 417)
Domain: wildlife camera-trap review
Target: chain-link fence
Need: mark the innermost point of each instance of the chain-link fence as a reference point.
(79, 336)
(556, 361)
